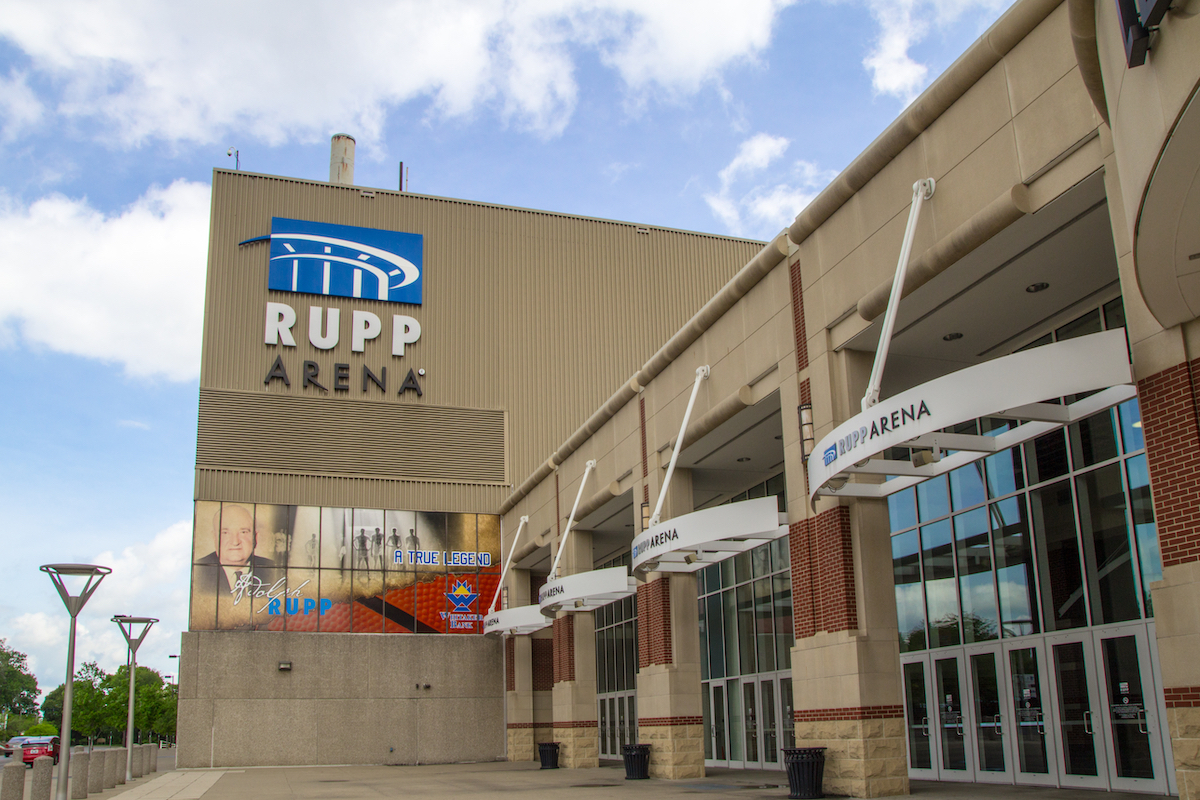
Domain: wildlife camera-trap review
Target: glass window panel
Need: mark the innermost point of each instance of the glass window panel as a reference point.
(966, 486)
(777, 487)
(1038, 342)
(1014, 567)
(760, 560)
(729, 614)
(902, 509)
(941, 593)
(703, 639)
(716, 636)
(1130, 416)
(756, 492)
(919, 750)
(712, 581)
(1144, 528)
(781, 557)
(631, 663)
(745, 640)
(1114, 314)
(1058, 558)
(784, 627)
(1093, 440)
(1088, 323)
(727, 579)
(741, 567)
(933, 499)
(910, 606)
(1005, 471)
(764, 626)
(1106, 546)
(976, 588)
(1046, 457)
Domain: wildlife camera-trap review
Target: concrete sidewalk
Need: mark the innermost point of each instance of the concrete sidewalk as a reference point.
(524, 779)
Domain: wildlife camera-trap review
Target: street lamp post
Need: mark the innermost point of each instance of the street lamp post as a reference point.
(74, 604)
(126, 624)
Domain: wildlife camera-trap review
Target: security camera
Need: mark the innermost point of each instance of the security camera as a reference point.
(229, 152)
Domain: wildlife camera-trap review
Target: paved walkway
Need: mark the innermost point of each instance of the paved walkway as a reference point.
(504, 780)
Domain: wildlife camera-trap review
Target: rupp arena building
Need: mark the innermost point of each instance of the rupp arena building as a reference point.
(596, 483)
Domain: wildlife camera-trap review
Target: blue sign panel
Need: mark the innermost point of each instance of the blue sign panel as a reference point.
(345, 261)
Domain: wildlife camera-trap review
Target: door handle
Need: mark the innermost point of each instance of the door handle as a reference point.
(997, 731)
(1087, 723)
(1041, 724)
(958, 726)
(1142, 722)
(925, 726)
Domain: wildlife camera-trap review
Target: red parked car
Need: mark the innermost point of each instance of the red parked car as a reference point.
(39, 746)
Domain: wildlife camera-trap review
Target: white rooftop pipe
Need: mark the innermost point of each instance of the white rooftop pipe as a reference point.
(341, 159)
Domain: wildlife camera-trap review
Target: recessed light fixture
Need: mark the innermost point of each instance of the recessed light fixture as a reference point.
(1034, 288)
(950, 337)
(743, 459)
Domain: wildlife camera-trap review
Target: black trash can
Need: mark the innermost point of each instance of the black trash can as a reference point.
(637, 761)
(548, 753)
(805, 771)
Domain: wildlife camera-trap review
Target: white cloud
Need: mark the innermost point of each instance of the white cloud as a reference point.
(133, 423)
(148, 579)
(288, 71)
(761, 209)
(19, 107)
(126, 287)
(904, 24)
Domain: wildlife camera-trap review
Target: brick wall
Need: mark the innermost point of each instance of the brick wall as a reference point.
(510, 664)
(822, 558)
(543, 664)
(1169, 421)
(654, 622)
(564, 649)
(798, 317)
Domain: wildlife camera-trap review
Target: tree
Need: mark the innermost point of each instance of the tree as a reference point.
(154, 710)
(42, 729)
(18, 687)
(89, 714)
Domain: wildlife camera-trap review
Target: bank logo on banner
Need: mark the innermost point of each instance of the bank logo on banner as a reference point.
(462, 596)
(345, 261)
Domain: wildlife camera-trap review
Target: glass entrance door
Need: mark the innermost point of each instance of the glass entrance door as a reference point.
(618, 722)
(938, 720)
(742, 721)
(1030, 737)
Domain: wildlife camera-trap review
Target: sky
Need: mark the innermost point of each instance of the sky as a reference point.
(720, 117)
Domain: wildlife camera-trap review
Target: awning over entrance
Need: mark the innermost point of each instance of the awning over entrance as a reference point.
(586, 591)
(518, 621)
(693, 541)
(1014, 387)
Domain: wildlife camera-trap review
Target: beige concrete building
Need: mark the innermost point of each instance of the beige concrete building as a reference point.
(733, 526)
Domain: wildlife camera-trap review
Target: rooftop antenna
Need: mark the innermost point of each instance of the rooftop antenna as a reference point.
(237, 157)
(402, 176)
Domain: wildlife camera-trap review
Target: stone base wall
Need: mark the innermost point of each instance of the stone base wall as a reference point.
(578, 747)
(676, 749)
(1184, 726)
(863, 757)
(521, 746)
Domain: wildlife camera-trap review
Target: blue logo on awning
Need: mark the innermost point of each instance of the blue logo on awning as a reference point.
(830, 455)
(345, 261)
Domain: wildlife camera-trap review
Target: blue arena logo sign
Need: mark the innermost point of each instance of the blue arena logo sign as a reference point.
(344, 261)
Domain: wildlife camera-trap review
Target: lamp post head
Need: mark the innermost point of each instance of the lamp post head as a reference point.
(93, 573)
(127, 624)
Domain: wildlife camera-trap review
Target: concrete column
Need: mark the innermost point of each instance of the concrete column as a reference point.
(135, 763)
(111, 767)
(518, 677)
(574, 693)
(96, 772)
(79, 773)
(120, 759)
(668, 682)
(154, 752)
(12, 781)
(43, 772)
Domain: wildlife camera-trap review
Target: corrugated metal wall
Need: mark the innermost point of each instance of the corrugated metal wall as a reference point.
(316, 436)
(536, 314)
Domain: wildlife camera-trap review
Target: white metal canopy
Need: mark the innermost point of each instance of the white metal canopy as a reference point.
(1014, 387)
(586, 591)
(693, 541)
(519, 621)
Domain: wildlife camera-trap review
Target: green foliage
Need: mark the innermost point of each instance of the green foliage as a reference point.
(101, 702)
(42, 729)
(18, 687)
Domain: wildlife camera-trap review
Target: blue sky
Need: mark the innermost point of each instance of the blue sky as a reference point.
(711, 116)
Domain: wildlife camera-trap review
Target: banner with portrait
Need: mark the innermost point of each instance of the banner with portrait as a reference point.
(258, 566)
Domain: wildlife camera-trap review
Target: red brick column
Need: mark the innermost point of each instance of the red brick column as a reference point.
(1169, 422)
(654, 622)
(564, 648)
(822, 556)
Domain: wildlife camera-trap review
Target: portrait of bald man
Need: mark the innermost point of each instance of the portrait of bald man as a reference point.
(234, 540)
